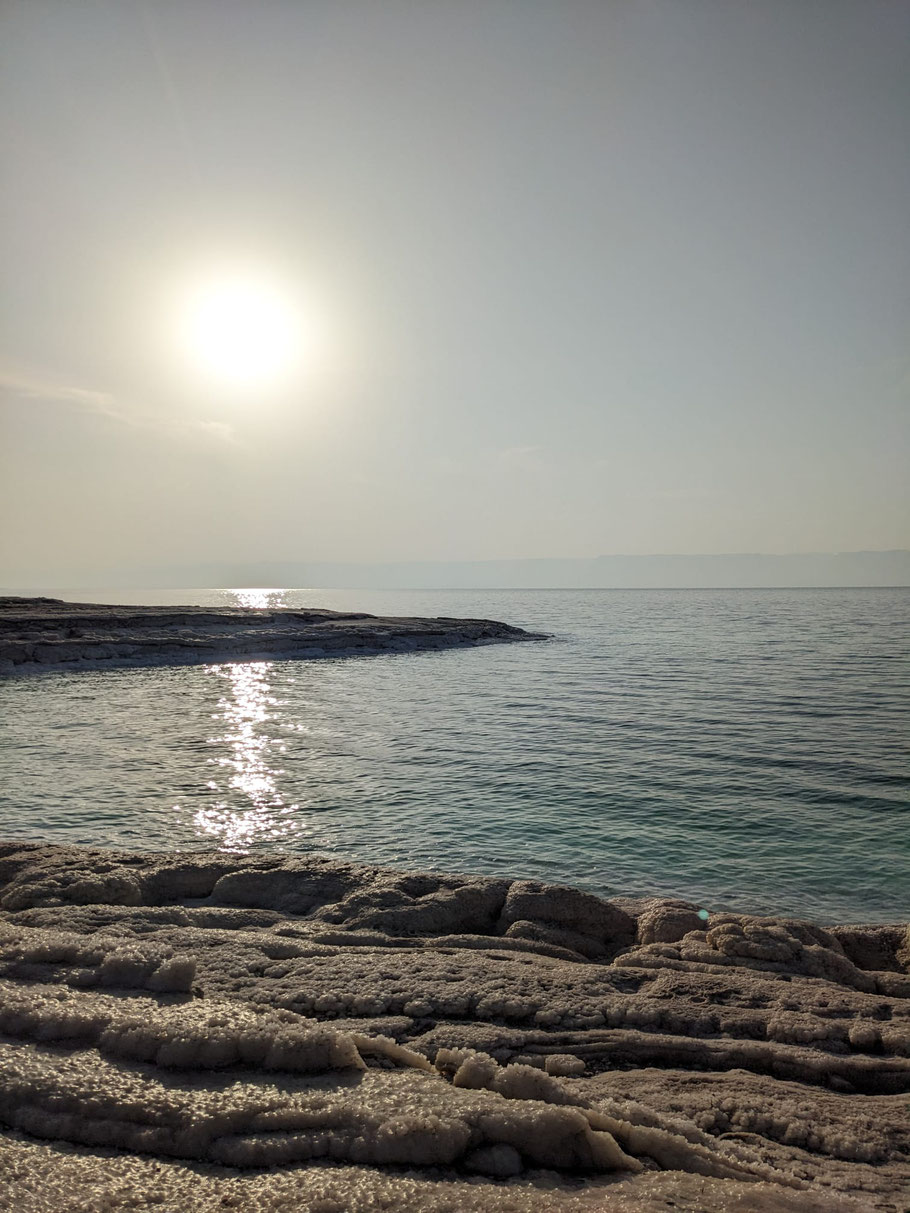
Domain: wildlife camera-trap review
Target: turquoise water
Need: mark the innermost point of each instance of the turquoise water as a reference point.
(741, 748)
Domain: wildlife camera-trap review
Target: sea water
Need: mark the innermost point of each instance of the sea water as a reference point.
(744, 749)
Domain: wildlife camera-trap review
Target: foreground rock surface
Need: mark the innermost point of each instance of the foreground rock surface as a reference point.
(47, 633)
(202, 1031)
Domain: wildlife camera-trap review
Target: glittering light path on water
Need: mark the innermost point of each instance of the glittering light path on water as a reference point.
(259, 813)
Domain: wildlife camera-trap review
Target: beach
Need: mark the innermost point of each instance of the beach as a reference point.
(202, 1030)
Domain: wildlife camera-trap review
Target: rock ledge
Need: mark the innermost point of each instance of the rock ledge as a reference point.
(46, 634)
(200, 1030)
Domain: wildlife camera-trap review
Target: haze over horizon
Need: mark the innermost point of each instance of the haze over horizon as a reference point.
(361, 284)
(821, 570)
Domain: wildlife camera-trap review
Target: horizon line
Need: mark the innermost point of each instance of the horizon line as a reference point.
(6, 591)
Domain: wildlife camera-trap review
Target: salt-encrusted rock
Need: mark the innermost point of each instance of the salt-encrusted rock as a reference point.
(210, 1011)
(874, 948)
(582, 914)
(46, 1177)
(902, 952)
(46, 633)
(564, 1065)
(668, 921)
(500, 1161)
(560, 940)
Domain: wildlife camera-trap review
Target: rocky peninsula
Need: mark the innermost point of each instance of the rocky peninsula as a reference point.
(46, 634)
(202, 1031)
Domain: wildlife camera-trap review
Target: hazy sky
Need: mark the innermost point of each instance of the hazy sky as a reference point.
(619, 276)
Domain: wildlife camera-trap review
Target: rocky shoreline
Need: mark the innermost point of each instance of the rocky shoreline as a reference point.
(47, 634)
(202, 1030)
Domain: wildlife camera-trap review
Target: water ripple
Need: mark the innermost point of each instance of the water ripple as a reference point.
(741, 748)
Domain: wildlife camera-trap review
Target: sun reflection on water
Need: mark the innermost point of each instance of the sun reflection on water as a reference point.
(262, 814)
(258, 598)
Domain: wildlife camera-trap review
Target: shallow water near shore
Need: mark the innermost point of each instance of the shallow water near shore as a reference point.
(745, 749)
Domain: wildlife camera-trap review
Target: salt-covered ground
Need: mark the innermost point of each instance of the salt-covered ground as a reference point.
(46, 633)
(203, 1031)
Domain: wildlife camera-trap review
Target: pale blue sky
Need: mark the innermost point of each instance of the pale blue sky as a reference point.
(607, 277)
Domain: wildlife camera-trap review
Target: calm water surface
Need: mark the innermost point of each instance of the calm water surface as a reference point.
(741, 748)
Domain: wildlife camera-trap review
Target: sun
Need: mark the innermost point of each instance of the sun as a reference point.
(242, 331)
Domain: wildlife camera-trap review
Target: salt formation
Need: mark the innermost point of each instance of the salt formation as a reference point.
(46, 633)
(204, 1031)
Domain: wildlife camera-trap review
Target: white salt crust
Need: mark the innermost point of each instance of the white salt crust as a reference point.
(203, 1031)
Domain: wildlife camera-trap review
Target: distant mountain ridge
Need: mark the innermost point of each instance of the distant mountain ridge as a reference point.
(747, 570)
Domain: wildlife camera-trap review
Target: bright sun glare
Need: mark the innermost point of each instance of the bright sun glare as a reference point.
(242, 332)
